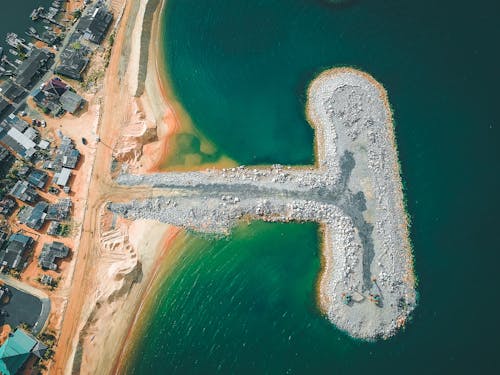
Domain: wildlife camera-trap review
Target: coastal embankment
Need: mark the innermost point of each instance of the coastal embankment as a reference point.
(117, 259)
(367, 286)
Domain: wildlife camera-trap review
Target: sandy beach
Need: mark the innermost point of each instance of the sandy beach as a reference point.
(117, 259)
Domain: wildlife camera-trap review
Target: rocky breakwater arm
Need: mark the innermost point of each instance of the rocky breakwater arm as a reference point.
(367, 286)
(367, 289)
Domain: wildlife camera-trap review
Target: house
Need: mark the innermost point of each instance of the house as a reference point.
(16, 134)
(5, 155)
(47, 98)
(46, 279)
(71, 101)
(3, 238)
(38, 178)
(73, 61)
(62, 178)
(16, 122)
(4, 106)
(14, 253)
(33, 217)
(48, 103)
(24, 192)
(53, 229)
(18, 142)
(95, 25)
(31, 68)
(51, 252)
(16, 351)
(7, 206)
(59, 211)
(66, 156)
(55, 98)
(12, 91)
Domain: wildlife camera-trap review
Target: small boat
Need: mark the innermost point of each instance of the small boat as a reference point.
(1, 52)
(14, 52)
(32, 29)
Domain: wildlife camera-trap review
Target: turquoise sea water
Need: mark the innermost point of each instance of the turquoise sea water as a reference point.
(246, 304)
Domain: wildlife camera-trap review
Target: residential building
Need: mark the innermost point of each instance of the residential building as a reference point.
(59, 211)
(37, 178)
(11, 91)
(32, 67)
(16, 351)
(62, 178)
(16, 250)
(33, 217)
(7, 206)
(51, 252)
(67, 156)
(73, 61)
(71, 102)
(23, 191)
(94, 26)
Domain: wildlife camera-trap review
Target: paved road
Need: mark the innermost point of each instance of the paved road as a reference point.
(27, 305)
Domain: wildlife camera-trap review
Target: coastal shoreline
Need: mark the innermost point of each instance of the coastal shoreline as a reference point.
(356, 191)
(155, 106)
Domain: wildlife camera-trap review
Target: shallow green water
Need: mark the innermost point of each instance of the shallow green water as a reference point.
(241, 68)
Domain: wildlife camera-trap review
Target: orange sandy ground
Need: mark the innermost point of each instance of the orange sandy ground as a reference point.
(115, 112)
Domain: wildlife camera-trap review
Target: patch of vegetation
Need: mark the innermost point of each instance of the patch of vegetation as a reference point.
(76, 45)
(65, 229)
(15, 273)
(77, 14)
(92, 79)
(25, 326)
(112, 39)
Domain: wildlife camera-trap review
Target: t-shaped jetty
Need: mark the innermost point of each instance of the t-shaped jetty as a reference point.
(367, 285)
